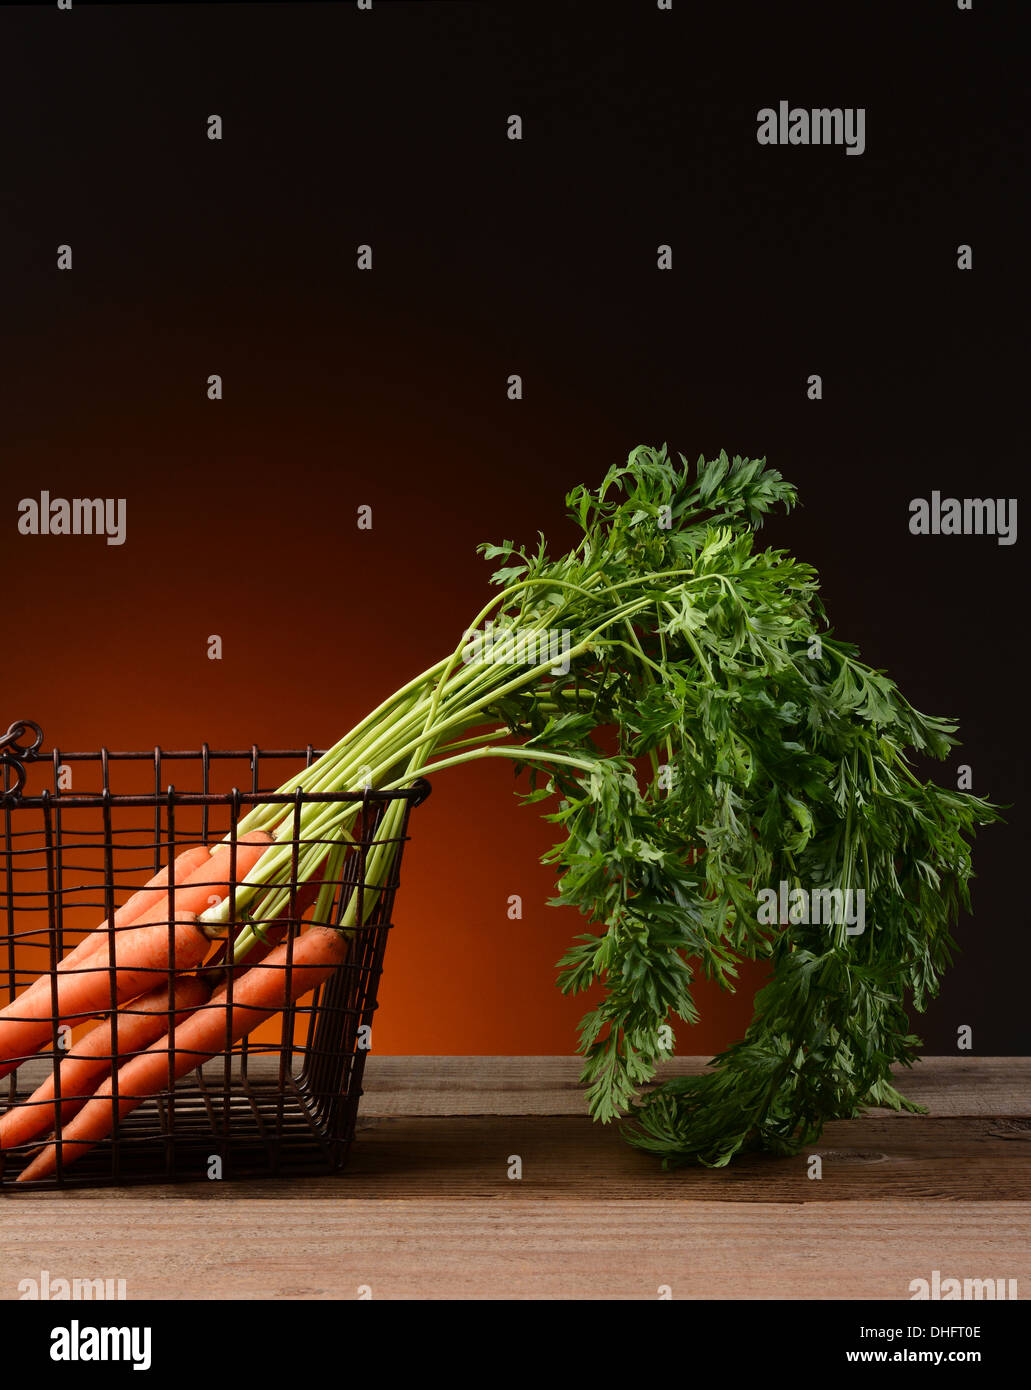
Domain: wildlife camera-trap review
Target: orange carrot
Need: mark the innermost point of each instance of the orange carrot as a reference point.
(258, 995)
(140, 951)
(155, 890)
(274, 931)
(140, 954)
(139, 1024)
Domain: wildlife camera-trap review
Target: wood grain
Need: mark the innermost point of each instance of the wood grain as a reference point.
(551, 1086)
(426, 1208)
(241, 1248)
(573, 1159)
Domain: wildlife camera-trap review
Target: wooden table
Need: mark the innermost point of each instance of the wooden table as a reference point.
(427, 1208)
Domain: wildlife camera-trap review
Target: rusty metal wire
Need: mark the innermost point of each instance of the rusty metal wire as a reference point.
(70, 858)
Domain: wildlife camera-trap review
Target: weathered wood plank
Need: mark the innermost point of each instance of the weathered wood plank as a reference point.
(550, 1085)
(477, 1249)
(571, 1159)
(427, 1210)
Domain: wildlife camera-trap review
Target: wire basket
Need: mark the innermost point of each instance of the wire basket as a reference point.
(283, 1099)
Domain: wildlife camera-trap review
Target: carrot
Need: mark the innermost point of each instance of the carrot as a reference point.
(141, 1023)
(258, 995)
(155, 890)
(140, 953)
(27, 1021)
(275, 930)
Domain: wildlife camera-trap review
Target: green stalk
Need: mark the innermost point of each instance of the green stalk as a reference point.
(336, 769)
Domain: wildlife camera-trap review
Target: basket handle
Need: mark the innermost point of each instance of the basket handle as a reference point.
(14, 756)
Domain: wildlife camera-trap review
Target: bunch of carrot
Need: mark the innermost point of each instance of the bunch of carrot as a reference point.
(168, 1020)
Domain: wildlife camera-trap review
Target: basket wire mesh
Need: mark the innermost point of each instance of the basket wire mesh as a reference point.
(283, 1099)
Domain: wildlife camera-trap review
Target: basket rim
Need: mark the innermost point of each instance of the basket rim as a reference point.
(416, 794)
(15, 756)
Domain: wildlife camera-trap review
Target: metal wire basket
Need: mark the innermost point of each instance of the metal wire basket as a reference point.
(283, 1100)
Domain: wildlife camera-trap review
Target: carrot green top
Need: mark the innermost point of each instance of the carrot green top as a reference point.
(747, 748)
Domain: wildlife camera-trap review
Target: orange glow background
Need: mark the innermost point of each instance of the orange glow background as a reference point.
(319, 621)
(387, 388)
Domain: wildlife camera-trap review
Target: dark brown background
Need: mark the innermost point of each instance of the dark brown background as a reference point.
(388, 389)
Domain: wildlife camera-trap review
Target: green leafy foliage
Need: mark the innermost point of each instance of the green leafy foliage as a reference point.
(721, 740)
(706, 737)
